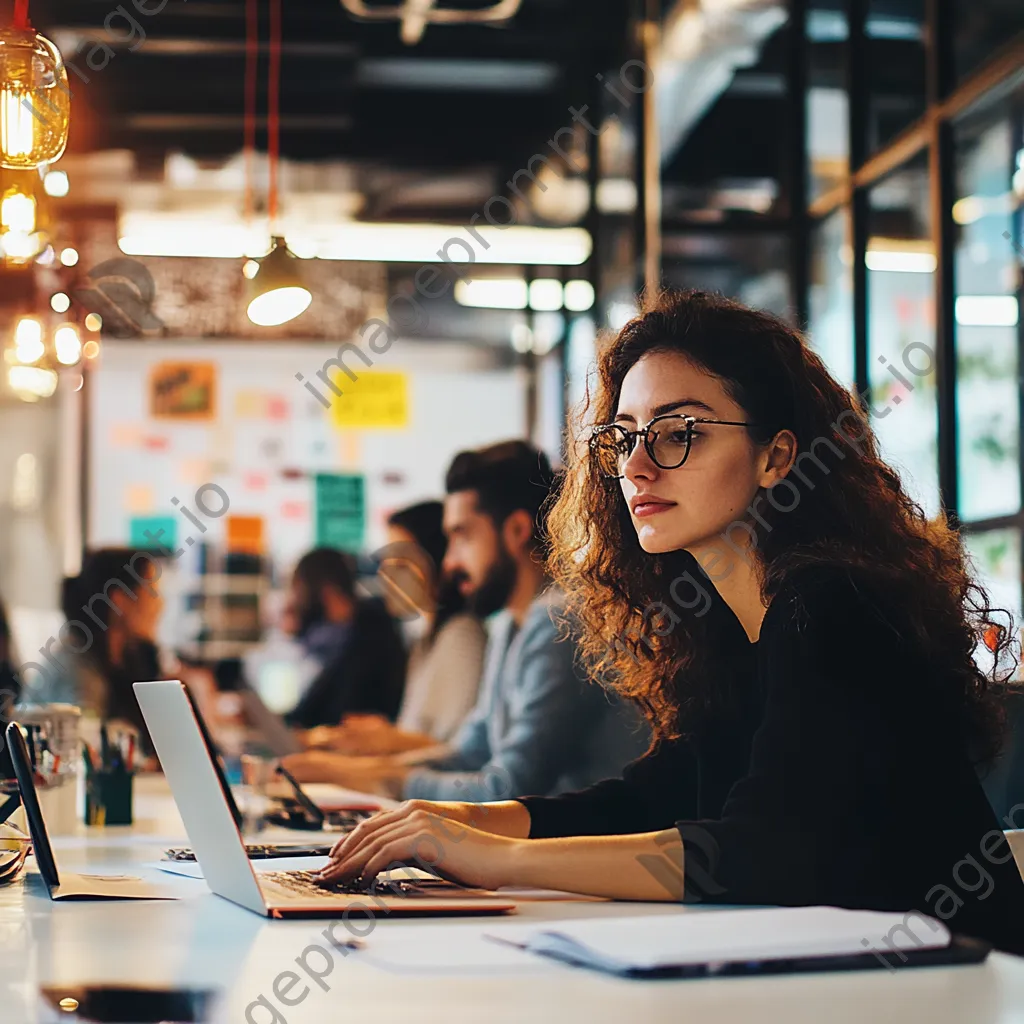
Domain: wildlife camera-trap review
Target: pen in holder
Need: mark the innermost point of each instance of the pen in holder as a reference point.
(108, 781)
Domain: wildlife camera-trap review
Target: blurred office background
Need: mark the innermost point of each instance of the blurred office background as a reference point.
(856, 166)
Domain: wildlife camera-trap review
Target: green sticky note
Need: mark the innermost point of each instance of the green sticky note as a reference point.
(340, 511)
(148, 533)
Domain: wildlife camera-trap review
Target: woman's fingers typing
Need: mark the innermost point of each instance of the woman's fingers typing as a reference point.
(365, 828)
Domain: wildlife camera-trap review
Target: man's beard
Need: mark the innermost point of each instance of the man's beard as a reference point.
(496, 588)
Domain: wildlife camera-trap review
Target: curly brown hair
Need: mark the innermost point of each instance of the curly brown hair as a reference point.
(853, 513)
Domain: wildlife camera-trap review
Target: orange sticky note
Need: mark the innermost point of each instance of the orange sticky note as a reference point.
(245, 534)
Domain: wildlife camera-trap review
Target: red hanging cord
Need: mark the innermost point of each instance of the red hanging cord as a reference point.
(273, 111)
(21, 21)
(252, 28)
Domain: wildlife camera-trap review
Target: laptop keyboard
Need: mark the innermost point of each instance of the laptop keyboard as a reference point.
(306, 883)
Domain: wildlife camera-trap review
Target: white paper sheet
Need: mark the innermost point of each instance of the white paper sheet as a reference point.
(727, 935)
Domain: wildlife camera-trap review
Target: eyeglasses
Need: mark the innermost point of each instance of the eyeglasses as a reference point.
(667, 440)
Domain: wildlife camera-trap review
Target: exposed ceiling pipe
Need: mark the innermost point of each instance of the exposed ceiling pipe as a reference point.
(702, 45)
(416, 15)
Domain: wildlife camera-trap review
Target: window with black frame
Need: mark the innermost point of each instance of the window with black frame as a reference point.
(987, 212)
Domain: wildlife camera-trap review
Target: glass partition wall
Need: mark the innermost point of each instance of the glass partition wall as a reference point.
(914, 150)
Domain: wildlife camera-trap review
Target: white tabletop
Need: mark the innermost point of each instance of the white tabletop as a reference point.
(428, 971)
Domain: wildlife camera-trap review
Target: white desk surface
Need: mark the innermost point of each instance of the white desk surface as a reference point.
(427, 972)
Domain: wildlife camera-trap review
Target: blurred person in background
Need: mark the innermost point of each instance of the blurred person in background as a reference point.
(112, 611)
(10, 688)
(10, 684)
(447, 648)
(354, 639)
(538, 725)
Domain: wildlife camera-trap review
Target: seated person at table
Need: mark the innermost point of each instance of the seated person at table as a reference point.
(10, 682)
(108, 642)
(354, 639)
(446, 656)
(538, 726)
(818, 719)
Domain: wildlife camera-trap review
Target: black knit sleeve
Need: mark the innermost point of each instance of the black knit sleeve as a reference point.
(653, 793)
(860, 791)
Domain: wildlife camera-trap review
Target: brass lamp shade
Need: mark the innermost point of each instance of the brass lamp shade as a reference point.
(276, 293)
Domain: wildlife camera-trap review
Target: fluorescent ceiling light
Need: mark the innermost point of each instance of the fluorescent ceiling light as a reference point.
(987, 311)
(579, 296)
(457, 75)
(897, 262)
(546, 294)
(145, 233)
(494, 293)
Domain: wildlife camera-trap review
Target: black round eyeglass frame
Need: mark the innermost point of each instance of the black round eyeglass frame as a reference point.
(650, 437)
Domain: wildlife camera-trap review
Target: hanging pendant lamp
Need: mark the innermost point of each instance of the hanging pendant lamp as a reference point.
(35, 101)
(275, 292)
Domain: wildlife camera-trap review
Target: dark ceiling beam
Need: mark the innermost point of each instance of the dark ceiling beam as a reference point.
(226, 122)
(175, 46)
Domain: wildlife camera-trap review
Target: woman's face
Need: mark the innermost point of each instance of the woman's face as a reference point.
(141, 617)
(692, 507)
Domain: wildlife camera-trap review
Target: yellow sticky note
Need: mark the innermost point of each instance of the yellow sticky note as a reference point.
(377, 399)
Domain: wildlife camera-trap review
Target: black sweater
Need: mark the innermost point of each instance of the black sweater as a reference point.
(840, 777)
(367, 675)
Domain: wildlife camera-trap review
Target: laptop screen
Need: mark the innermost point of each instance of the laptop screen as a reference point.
(30, 801)
(229, 797)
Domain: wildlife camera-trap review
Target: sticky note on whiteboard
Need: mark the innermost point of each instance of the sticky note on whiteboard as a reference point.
(376, 400)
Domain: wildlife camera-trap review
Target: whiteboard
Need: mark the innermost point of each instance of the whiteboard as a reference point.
(458, 399)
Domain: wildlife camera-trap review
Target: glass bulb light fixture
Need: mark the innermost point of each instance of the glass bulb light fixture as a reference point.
(28, 340)
(67, 344)
(35, 101)
(275, 292)
(20, 238)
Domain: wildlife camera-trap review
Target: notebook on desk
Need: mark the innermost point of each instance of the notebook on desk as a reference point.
(697, 943)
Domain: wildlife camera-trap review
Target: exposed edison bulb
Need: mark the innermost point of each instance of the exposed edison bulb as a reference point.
(94, 322)
(69, 256)
(28, 340)
(35, 101)
(67, 344)
(60, 302)
(17, 131)
(18, 212)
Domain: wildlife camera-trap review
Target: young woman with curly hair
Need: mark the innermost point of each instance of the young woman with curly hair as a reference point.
(806, 644)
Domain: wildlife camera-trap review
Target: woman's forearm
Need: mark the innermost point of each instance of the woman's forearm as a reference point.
(648, 866)
(507, 818)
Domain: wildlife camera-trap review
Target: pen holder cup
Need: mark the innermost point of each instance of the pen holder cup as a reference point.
(108, 798)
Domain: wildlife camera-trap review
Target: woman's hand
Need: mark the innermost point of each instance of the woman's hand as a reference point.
(462, 814)
(428, 836)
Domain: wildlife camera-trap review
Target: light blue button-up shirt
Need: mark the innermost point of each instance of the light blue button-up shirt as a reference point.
(539, 726)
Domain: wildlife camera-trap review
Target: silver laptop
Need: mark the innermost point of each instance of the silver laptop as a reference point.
(218, 846)
(60, 884)
(268, 725)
